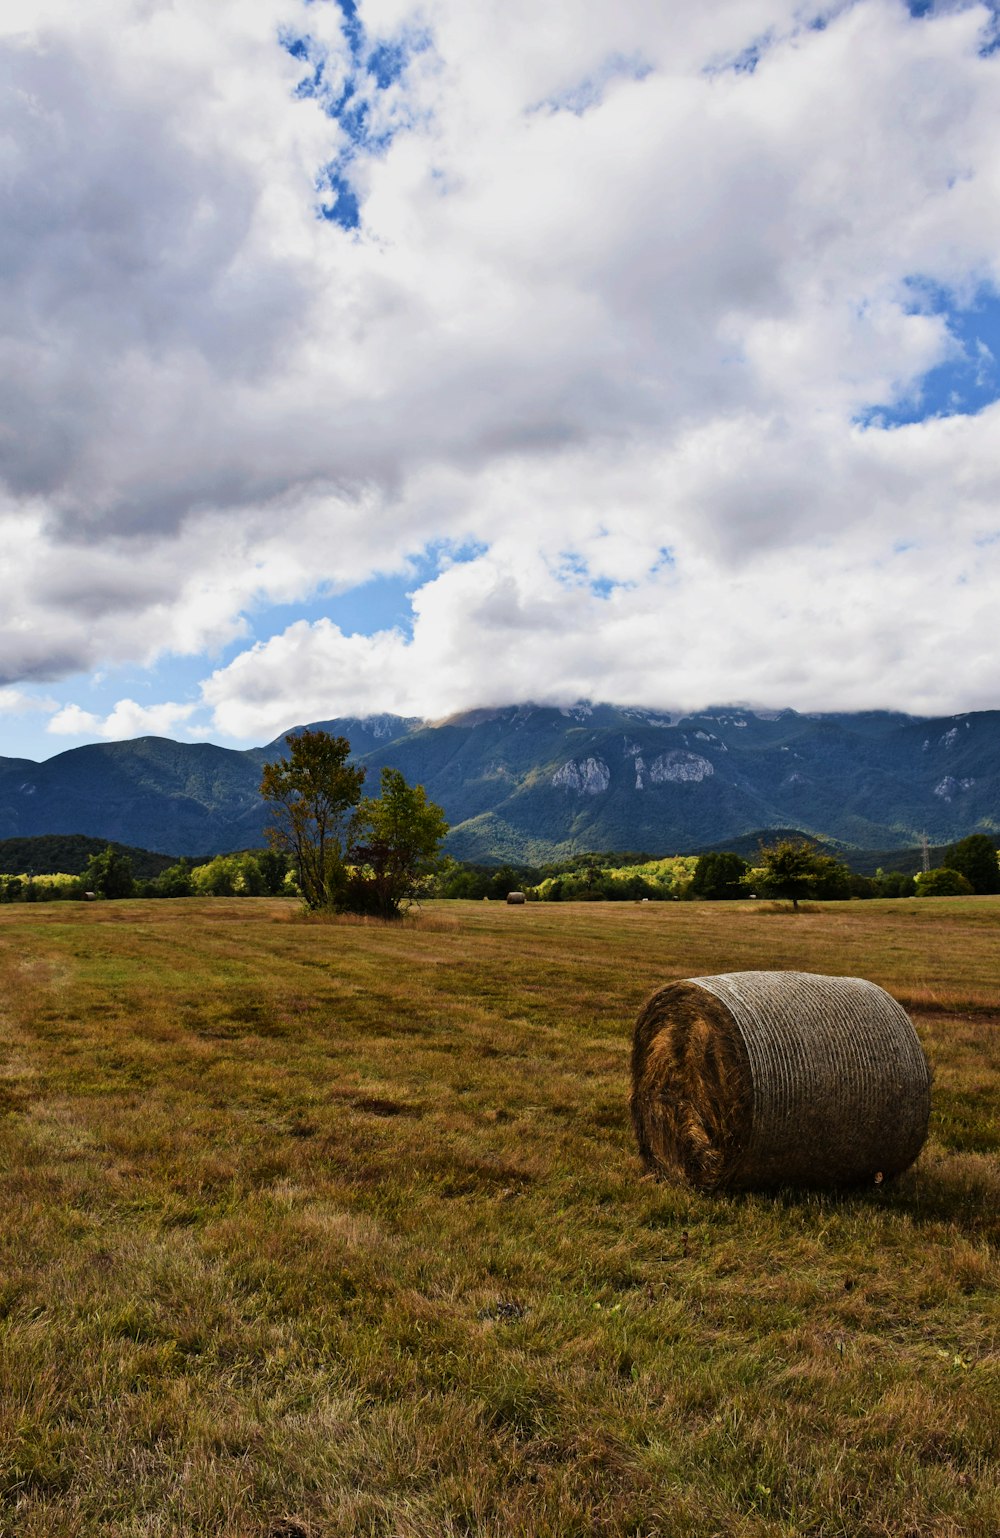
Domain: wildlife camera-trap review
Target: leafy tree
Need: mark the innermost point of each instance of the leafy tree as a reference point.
(834, 880)
(454, 880)
(250, 881)
(397, 838)
(175, 881)
(216, 878)
(719, 876)
(231, 875)
(892, 883)
(795, 868)
(109, 874)
(943, 882)
(975, 858)
(312, 794)
(273, 868)
(501, 880)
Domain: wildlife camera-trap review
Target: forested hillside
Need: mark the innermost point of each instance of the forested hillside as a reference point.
(534, 783)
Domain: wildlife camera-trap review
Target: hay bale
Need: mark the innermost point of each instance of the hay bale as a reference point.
(514, 899)
(758, 1079)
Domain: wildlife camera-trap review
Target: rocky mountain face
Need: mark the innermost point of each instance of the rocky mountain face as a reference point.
(533, 782)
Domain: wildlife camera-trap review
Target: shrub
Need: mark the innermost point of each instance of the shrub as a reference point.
(943, 883)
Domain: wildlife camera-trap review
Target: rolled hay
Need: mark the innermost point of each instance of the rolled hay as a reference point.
(760, 1079)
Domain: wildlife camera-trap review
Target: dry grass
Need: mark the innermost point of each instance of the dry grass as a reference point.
(333, 1228)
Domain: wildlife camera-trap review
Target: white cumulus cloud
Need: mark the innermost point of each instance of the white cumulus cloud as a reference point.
(127, 719)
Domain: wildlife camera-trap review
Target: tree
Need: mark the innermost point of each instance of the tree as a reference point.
(834, 880)
(273, 870)
(893, 883)
(795, 868)
(397, 838)
(249, 880)
(175, 881)
(216, 878)
(975, 858)
(719, 876)
(109, 874)
(313, 793)
(943, 882)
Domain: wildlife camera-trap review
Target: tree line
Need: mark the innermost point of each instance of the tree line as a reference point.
(789, 869)
(611, 876)
(112, 873)
(792, 869)
(795, 869)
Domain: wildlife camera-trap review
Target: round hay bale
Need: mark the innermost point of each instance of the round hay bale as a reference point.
(515, 899)
(761, 1079)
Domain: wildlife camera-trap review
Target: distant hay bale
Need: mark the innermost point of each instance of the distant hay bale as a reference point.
(515, 898)
(760, 1079)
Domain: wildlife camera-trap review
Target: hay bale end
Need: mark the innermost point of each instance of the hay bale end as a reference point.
(760, 1079)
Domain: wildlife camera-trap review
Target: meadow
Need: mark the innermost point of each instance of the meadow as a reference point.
(322, 1228)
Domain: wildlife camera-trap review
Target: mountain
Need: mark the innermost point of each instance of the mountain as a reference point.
(365, 733)
(167, 796)
(527, 782)
(533, 782)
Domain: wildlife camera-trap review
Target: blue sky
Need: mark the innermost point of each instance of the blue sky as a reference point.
(368, 356)
(969, 379)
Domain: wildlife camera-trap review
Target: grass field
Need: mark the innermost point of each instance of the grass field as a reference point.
(330, 1228)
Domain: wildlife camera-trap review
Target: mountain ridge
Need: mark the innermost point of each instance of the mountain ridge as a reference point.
(538, 782)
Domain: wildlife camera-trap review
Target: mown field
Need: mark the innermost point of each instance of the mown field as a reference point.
(329, 1228)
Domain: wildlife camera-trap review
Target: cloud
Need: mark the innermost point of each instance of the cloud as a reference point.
(127, 719)
(13, 702)
(617, 296)
(793, 630)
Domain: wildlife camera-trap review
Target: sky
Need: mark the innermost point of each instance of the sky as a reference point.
(363, 356)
